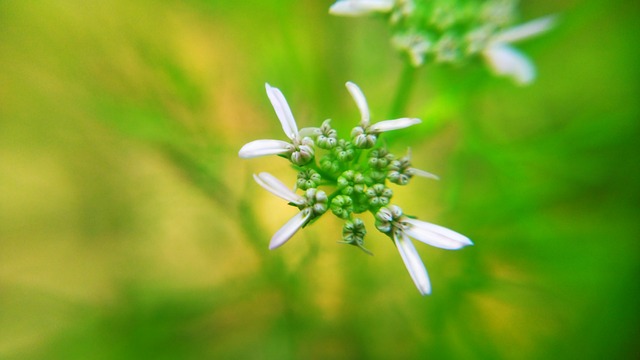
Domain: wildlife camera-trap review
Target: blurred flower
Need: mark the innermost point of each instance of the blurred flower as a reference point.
(448, 32)
(414, 44)
(313, 204)
(360, 7)
(505, 60)
(400, 228)
(299, 149)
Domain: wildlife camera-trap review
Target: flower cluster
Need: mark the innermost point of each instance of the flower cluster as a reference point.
(454, 32)
(350, 177)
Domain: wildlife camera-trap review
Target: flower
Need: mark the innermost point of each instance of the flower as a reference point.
(299, 149)
(400, 171)
(364, 136)
(312, 205)
(505, 60)
(401, 229)
(415, 44)
(360, 7)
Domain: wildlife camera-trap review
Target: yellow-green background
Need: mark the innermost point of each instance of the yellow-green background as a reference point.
(129, 229)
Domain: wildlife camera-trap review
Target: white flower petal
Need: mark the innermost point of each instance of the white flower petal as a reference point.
(360, 7)
(289, 229)
(524, 31)
(435, 235)
(283, 111)
(360, 100)
(277, 188)
(388, 125)
(505, 60)
(418, 172)
(413, 263)
(264, 147)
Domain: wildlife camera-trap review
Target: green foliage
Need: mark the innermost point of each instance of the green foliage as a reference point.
(130, 229)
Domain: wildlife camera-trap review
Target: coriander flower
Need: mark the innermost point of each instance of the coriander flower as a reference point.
(400, 171)
(401, 229)
(414, 44)
(360, 7)
(365, 135)
(505, 60)
(311, 205)
(299, 150)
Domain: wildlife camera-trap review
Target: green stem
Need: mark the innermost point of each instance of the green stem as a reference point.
(403, 91)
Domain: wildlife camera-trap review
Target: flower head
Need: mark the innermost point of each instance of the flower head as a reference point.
(299, 149)
(401, 229)
(359, 175)
(450, 32)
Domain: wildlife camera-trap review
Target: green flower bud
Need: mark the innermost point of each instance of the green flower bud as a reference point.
(399, 171)
(329, 164)
(350, 182)
(342, 206)
(307, 179)
(379, 159)
(327, 137)
(375, 177)
(353, 233)
(344, 151)
(379, 195)
(361, 139)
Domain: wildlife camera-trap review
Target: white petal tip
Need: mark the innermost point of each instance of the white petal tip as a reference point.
(396, 124)
(424, 174)
(289, 229)
(436, 235)
(507, 61)
(258, 148)
(425, 292)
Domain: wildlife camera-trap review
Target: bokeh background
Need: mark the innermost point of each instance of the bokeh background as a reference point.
(129, 229)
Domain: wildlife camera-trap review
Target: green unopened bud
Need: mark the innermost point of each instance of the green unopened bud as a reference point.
(379, 195)
(329, 164)
(353, 233)
(379, 159)
(327, 137)
(344, 151)
(362, 139)
(399, 171)
(307, 179)
(342, 206)
(375, 177)
(350, 182)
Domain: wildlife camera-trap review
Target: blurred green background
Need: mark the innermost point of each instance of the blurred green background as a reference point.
(129, 229)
